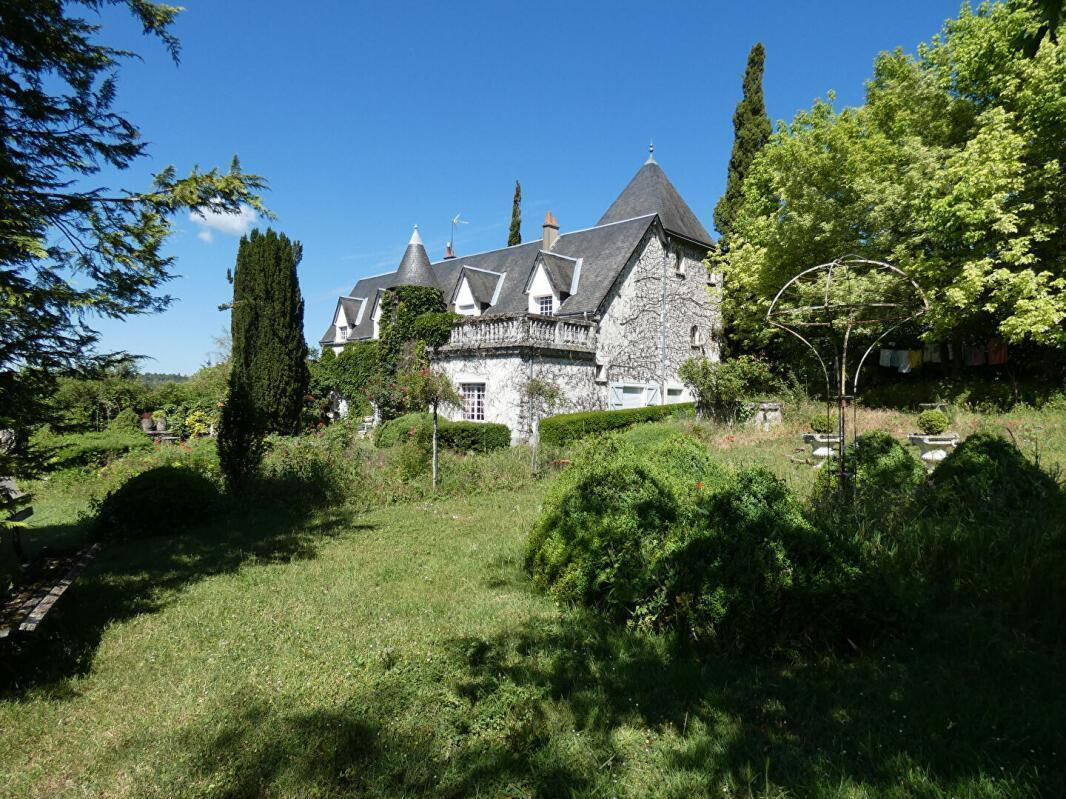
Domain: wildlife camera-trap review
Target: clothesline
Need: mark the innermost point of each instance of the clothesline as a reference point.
(994, 353)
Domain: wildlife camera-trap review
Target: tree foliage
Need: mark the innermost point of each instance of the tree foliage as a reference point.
(514, 236)
(952, 170)
(269, 354)
(71, 248)
(723, 389)
(751, 128)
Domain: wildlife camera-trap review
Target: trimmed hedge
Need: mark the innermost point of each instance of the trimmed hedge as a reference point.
(568, 427)
(459, 436)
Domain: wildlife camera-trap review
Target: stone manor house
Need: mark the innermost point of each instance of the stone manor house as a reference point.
(609, 313)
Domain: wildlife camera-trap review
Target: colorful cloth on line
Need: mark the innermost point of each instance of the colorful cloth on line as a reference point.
(886, 358)
(914, 358)
(997, 352)
(975, 356)
(931, 353)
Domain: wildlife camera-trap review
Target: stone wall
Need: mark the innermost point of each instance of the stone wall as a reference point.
(505, 375)
(664, 287)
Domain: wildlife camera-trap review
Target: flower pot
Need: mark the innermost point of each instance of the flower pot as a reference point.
(823, 447)
(934, 449)
(160, 425)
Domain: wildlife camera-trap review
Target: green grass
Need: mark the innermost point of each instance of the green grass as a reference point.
(402, 652)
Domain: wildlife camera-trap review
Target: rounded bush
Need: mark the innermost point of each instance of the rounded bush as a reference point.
(823, 424)
(987, 475)
(932, 422)
(159, 501)
(669, 540)
(411, 427)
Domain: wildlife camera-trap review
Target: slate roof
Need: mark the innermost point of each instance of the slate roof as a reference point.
(482, 284)
(414, 269)
(651, 192)
(603, 251)
(560, 269)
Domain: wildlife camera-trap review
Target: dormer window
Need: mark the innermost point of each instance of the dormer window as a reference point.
(546, 305)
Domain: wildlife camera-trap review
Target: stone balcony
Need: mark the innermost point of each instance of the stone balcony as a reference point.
(478, 333)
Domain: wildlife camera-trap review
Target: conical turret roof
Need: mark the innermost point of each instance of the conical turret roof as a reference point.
(414, 269)
(651, 192)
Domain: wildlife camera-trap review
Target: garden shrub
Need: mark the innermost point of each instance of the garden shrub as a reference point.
(721, 388)
(823, 424)
(473, 436)
(669, 540)
(932, 422)
(884, 477)
(994, 535)
(567, 428)
(159, 501)
(458, 436)
(125, 419)
(92, 449)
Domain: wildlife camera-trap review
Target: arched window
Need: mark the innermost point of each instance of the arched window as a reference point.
(696, 339)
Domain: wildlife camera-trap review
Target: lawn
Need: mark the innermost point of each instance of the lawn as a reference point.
(402, 652)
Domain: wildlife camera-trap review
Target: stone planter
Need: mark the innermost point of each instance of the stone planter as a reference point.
(160, 425)
(765, 415)
(146, 424)
(823, 447)
(934, 449)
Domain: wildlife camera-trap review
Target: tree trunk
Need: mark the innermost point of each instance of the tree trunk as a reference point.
(434, 446)
(535, 442)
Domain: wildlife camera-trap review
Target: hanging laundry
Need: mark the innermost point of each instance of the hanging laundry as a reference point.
(931, 353)
(901, 361)
(997, 352)
(914, 358)
(975, 356)
(886, 358)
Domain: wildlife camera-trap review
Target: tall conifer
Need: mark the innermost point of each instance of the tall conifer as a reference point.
(269, 355)
(515, 235)
(751, 127)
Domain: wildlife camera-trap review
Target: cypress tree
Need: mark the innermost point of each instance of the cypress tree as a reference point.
(269, 358)
(515, 235)
(751, 127)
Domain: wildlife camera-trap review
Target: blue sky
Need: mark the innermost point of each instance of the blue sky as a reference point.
(368, 118)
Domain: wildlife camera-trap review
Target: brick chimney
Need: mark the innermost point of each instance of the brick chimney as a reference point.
(551, 231)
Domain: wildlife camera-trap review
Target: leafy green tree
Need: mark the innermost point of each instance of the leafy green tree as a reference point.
(70, 247)
(515, 234)
(269, 352)
(431, 390)
(722, 389)
(751, 129)
(952, 170)
(543, 396)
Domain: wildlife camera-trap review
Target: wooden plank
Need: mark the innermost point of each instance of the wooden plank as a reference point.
(37, 615)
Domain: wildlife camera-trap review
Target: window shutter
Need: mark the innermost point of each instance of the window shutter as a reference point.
(652, 395)
(614, 396)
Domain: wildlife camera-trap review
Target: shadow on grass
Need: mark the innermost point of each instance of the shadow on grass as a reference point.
(574, 707)
(142, 576)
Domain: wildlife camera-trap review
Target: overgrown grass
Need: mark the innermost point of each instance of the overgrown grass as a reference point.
(401, 651)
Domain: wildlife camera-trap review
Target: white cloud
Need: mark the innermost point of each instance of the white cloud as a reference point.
(233, 224)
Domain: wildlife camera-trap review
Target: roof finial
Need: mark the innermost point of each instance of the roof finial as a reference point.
(651, 152)
(415, 238)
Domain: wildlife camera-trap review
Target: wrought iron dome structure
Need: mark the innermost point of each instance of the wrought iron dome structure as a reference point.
(840, 306)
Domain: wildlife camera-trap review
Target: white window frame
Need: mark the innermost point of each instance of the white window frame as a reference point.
(473, 395)
(551, 305)
(343, 331)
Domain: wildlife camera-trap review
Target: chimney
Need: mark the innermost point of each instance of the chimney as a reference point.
(551, 231)
(449, 253)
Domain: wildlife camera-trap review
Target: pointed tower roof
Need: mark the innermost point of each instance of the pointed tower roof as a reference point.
(651, 192)
(414, 269)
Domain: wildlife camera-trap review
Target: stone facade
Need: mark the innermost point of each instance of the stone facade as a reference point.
(642, 339)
